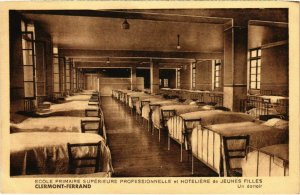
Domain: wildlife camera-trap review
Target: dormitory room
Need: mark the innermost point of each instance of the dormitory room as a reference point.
(149, 93)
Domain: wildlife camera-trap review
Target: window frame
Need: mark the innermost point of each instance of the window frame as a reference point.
(56, 75)
(178, 78)
(74, 77)
(165, 82)
(193, 75)
(257, 68)
(217, 77)
(43, 81)
(62, 70)
(32, 49)
(68, 74)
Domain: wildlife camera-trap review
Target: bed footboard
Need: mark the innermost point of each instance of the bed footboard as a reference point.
(259, 163)
(206, 146)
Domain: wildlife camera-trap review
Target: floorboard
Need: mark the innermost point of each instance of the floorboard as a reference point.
(138, 153)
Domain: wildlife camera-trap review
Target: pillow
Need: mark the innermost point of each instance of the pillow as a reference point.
(282, 124)
(192, 103)
(271, 122)
(187, 101)
(277, 123)
(208, 107)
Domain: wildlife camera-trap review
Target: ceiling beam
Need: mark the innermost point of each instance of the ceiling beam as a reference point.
(132, 15)
(132, 60)
(106, 65)
(126, 65)
(78, 53)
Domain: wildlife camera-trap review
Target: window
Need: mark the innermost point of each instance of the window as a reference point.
(217, 74)
(178, 78)
(193, 75)
(166, 83)
(62, 70)
(68, 75)
(56, 87)
(255, 68)
(40, 69)
(74, 78)
(29, 60)
(80, 79)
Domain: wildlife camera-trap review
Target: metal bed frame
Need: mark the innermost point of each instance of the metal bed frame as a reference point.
(271, 156)
(185, 133)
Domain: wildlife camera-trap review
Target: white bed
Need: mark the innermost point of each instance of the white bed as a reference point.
(72, 108)
(178, 108)
(139, 95)
(138, 104)
(146, 109)
(207, 143)
(51, 124)
(46, 152)
(179, 127)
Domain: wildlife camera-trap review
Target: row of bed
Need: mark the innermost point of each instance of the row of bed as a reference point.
(230, 143)
(61, 139)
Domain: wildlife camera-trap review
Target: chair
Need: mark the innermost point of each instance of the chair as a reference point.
(189, 125)
(144, 102)
(92, 112)
(89, 126)
(133, 102)
(90, 161)
(165, 116)
(234, 153)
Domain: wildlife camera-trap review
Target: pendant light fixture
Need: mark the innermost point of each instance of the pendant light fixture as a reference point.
(125, 25)
(107, 61)
(178, 44)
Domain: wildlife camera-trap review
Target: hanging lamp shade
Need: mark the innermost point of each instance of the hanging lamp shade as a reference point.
(107, 61)
(178, 44)
(125, 25)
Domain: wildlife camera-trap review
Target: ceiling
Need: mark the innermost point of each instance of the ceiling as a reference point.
(102, 33)
(93, 35)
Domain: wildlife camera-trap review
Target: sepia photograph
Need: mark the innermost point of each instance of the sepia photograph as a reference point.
(138, 95)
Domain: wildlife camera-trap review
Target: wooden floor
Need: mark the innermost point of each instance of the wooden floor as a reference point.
(137, 153)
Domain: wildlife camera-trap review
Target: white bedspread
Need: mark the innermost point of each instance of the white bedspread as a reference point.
(179, 108)
(78, 98)
(139, 95)
(176, 124)
(51, 124)
(46, 153)
(77, 107)
(138, 104)
(269, 165)
(146, 108)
